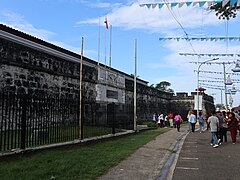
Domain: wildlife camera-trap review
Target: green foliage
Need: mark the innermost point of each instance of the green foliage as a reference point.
(88, 162)
(152, 85)
(164, 86)
(220, 106)
(225, 12)
(149, 123)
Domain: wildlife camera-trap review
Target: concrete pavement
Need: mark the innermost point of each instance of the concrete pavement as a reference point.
(180, 156)
(200, 161)
(148, 161)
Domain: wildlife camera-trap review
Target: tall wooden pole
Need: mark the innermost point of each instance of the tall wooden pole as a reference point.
(80, 95)
(98, 40)
(135, 85)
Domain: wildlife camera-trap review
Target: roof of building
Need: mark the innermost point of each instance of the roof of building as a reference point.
(52, 46)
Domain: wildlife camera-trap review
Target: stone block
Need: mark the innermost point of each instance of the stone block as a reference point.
(22, 76)
(18, 83)
(25, 84)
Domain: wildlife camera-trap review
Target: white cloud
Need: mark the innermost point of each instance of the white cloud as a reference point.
(184, 78)
(104, 5)
(156, 20)
(17, 21)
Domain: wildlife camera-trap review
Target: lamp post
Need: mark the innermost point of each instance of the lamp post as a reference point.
(198, 81)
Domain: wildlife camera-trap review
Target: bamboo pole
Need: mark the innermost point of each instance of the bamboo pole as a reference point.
(80, 94)
(135, 85)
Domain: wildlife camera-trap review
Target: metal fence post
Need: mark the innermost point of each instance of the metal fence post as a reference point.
(23, 123)
(113, 118)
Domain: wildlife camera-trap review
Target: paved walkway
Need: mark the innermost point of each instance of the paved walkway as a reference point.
(180, 156)
(148, 161)
(200, 161)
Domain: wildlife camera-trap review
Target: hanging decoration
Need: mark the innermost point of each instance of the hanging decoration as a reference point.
(237, 67)
(201, 39)
(219, 63)
(234, 80)
(233, 90)
(217, 81)
(190, 3)
(228, 91)
(212, 72)
(209, 55)
(206, 86)
(181, 4)
(211, 81)
(211, 85)
(229, 81)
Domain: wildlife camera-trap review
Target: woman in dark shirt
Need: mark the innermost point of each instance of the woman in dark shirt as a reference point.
(233, 125)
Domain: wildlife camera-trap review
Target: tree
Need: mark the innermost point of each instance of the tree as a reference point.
(163, 85)
(225, 12)
(152, 85)
(220, 106)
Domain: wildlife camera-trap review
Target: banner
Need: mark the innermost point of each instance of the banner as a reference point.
(199, 102)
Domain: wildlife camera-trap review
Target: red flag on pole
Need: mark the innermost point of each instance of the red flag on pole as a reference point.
(105, 21)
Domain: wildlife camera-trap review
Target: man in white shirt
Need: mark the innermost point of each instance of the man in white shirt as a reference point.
(193, 120)
(214, 126)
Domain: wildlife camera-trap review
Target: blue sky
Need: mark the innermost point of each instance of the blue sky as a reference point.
(64, 22)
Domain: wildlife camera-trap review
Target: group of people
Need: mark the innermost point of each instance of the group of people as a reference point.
(219, 123)
(169, 120)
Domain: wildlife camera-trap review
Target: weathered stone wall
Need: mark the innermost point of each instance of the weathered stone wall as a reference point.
(149, 100)
(183, 103)
(34, 66)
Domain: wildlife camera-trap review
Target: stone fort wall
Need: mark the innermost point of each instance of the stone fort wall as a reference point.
(34, 66)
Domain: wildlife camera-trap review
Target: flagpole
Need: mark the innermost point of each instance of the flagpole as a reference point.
(110, 50)
(98, 40)
(80, 94)
(105, 47)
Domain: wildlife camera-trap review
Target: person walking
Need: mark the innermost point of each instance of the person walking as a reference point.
(193, 121)
(166, 121)
(207, 116)
(155, 118)
(178, 120)
(214, 125)
(170, 117)
(224, 129)
(161, 120)
(233, 125)
(200, 120)
(189, 123)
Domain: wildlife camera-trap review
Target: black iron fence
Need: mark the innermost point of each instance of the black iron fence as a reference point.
(33, 120)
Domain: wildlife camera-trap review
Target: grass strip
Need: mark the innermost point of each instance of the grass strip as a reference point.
(88, 162)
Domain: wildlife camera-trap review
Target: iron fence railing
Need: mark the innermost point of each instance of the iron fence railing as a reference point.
(30, 120)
